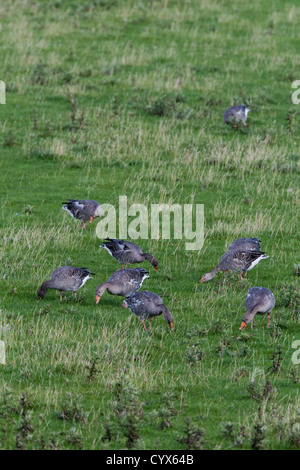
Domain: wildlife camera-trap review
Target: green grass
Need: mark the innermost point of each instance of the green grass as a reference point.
(108, 98)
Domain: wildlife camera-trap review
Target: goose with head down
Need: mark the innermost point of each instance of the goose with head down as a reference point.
(260, 301)
(127, 252)
(123, 282)
(65, 278)
(148, 305)
(237, 261)
(83, 209)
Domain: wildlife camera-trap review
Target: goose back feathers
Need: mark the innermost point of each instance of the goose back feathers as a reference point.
(245, 244)
(127, 252)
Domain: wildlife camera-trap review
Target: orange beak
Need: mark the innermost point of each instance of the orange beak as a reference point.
(243, 325)
(97, 298)
(203, 279)
(39, 298)
(156, 268)
(170, 326)
(91, 219)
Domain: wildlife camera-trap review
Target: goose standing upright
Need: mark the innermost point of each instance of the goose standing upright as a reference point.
(83, 209)
(148, 305)
(236, 261)
(65, 278)
(127, 252)
(123, 282)
(259, 300)
(236, 114)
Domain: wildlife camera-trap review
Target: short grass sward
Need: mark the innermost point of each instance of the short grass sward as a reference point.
(109, 98)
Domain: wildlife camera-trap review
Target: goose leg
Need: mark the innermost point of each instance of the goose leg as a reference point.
(240, 276)
(251, 324)
(143, 323)
(269, 315)
(151, 320)
(60, 295)
(83, 225)
(74, 293)
(123, 266)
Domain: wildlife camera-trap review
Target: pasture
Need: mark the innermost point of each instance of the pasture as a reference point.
(107, 98)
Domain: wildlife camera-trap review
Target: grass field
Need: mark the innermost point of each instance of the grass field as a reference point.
(108, 98)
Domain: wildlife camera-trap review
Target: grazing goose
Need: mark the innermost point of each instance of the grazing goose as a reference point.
(127, 252)
(245, 244)
(236, 261)
(66, 278)
(148, 305)
(123, 282)
(83, 210)
(235, 115)
(259, 300)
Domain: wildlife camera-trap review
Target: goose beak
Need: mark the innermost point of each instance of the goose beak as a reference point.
(156, 268)
(243, 325)
(124, 304)
(97, 298)
(203, 279)
(170, 326)
(39, 298)
(91, 219)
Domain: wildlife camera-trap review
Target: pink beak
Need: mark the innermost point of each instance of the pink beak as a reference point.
(124, 304)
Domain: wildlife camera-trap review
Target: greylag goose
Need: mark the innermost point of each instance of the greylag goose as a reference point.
(66, 278)
(148, 305)
(83, 210)
(259, 300)
(236, 261)
(127, 252)
(236, 114)
(123, 282)
(245, 244)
